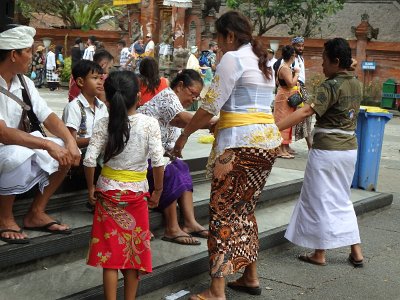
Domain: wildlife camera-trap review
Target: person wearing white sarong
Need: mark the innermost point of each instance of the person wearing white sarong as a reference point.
(27, 160)
(324, 216)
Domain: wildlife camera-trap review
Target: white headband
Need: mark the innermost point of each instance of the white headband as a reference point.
(19, 37)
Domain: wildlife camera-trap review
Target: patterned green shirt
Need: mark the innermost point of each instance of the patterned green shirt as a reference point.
(336, 104)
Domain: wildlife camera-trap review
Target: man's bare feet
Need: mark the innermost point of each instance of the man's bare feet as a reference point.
(41, 219)
(15, 233)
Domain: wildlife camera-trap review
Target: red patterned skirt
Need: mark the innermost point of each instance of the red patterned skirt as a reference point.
(120, 234)
(238, 179)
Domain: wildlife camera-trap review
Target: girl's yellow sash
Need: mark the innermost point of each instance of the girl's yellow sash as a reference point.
(123, 175)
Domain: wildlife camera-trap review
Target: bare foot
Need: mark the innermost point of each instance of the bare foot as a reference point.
(11, 224)
(41, 219)
(170, 234)
(206, 295)
(242, 281)
(196, 230)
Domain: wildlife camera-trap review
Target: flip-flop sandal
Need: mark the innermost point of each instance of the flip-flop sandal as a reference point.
(244, 289)
(200, 234)
(355, 263)
(307, 259)
(46, 228)
(11, 240)
(176, 240)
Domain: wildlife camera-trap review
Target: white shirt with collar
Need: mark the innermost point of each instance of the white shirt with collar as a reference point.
(72, 115)
(13, 156)
(11, 111)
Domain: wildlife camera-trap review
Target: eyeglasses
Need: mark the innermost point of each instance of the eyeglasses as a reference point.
(195, 95)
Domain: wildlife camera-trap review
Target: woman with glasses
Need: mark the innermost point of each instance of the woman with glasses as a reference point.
(168, 107)
(246, 142)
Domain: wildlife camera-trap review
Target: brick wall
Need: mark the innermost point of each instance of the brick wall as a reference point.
(66, 37)
(385, 54)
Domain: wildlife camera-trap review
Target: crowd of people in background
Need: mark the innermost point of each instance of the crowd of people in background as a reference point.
(134, 127)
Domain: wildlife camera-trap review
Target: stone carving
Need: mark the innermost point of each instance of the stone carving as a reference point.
(211, 7)
(145, 3)
(136, 30)
(192, 34)
(365, 29)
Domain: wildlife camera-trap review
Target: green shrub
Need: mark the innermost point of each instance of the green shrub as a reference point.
(66, 71)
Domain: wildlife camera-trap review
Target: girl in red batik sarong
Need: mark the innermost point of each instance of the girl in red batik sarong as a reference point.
(120, 235)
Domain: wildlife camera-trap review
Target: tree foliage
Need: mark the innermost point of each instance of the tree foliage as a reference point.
(76, 14)
(302, 17)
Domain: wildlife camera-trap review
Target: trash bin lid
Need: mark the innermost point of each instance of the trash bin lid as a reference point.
(373, 109)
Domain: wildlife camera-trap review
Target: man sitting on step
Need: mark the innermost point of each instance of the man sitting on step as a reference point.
(28, 159)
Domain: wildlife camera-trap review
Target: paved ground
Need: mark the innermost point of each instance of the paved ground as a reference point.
(284, 277)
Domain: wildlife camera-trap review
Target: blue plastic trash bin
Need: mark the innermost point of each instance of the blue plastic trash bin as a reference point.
(354, 183)
(372, 127)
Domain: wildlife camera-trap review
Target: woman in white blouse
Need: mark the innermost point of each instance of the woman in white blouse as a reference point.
(243, 154)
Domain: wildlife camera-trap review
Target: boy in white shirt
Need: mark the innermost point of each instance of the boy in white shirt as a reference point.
(81, 114)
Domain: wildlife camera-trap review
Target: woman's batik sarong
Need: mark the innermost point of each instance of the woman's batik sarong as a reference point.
(238, 179)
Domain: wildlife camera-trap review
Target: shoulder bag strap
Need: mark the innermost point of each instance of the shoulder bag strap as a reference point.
(82, 127)
(35, 123)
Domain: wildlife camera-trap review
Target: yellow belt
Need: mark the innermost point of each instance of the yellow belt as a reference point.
(229, 119)
(123, 175)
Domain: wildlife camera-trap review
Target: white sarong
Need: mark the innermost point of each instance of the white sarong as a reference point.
(21, 168)
(324, 216)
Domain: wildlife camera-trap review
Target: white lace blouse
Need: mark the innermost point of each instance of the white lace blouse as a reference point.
(144, 143)
(164, 107)
(239, 86)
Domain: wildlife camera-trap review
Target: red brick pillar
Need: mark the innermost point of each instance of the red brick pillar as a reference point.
(149, 18)
(179, 16)
(362, 41)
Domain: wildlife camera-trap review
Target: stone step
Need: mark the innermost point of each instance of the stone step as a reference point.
(66, 276)
(73, 192)
(282, 182)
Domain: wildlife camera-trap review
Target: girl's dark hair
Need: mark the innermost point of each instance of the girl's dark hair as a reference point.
(338, 48)
(188, 77)
(239, 24)
(287, 52)
(149, 74)
(121, 90)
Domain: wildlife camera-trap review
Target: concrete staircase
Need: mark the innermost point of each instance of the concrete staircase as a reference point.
(53, 266)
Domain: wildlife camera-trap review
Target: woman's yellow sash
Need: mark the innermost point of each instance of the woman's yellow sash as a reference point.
(229, 119)
(123, 175)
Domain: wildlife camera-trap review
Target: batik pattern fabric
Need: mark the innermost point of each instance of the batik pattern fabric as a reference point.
(238, 179)
(120, 234)
(303, 129)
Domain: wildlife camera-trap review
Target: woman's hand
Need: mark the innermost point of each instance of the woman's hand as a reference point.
(179, 145)
(154, 199)
(92, 199)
